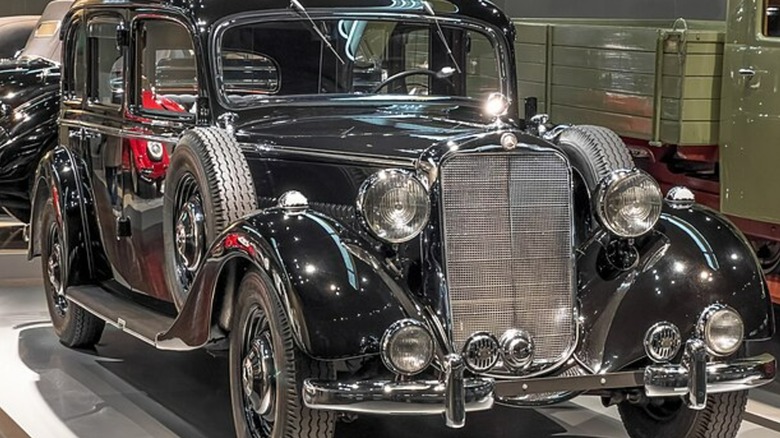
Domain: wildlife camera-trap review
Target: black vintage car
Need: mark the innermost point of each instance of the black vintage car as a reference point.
(339, 194)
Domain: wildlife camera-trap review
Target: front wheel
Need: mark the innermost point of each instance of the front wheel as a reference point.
(671, 418)
(267, 370)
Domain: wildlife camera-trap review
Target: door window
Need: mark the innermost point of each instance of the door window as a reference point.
(772, 18)
(168, 74)
(108, 64)
(77, 82)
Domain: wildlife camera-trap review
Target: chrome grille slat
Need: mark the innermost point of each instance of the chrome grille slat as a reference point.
(508, 247)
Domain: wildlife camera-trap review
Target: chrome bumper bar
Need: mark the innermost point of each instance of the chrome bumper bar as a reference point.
(694, 378)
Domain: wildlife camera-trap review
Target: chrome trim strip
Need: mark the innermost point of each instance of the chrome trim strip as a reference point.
(116, 132)
(404, 163)
(386, 397)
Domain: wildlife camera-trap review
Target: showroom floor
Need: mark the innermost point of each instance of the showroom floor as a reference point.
(126, 389)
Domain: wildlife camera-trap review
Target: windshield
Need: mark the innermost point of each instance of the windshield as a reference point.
(288, 58)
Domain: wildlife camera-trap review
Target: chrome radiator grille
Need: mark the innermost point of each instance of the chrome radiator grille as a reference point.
(508, 247)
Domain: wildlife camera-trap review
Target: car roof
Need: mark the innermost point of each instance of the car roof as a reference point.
(210, 11)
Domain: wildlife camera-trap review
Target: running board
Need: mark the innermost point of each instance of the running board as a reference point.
(124, 314)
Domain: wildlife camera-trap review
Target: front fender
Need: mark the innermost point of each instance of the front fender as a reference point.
(338, 303)
(694, 258)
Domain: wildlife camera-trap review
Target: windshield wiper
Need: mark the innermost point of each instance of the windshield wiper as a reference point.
(295, 4)
(432, 13)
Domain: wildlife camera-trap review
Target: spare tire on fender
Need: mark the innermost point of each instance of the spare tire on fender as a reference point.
(208, 187)
(596, 152)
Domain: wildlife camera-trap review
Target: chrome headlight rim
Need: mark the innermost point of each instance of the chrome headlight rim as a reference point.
(369, 183)
(391, 333)
(704, 326)
(603, 192)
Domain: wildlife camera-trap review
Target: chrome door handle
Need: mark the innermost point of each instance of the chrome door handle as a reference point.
(747, 73)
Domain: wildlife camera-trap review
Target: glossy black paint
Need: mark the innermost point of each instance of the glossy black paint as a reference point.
(29, 102)
(339, 304)
(693, 259)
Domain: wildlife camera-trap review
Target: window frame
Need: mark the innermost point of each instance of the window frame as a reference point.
(69, 87)
(93, 101)
(134, 99)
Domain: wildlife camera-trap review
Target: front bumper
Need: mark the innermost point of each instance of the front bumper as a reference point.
(454, 396)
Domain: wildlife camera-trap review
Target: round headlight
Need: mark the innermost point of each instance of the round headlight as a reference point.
(629, 203)
(155, 150)
(395, 205)
(723, 330)
(407, 347)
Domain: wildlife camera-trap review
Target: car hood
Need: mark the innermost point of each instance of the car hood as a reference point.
(387, 131)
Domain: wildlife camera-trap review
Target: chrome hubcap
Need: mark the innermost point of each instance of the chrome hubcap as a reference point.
(190, 239)
(54, 269)
(258, 375)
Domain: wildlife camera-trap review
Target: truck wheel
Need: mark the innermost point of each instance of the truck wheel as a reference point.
(671, 418)
(75, 327)
(267, 370)
(595, 152)
(208, 186)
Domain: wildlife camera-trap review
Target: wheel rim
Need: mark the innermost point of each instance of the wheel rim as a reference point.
(258, 375)
(54, 271)
(189, 230)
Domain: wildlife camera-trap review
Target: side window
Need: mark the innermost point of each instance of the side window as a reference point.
(77, 82)
(168, 74)
(772, 18)
(107, 63)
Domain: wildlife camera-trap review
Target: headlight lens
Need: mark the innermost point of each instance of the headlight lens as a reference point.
(723, 330)
(629, 203)
(407, 347)
(395, 205)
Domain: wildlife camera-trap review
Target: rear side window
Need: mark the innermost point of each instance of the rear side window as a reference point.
(108, 63)
(77, 81)
(168, 74)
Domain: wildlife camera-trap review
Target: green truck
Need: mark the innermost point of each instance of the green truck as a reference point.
(696, 101)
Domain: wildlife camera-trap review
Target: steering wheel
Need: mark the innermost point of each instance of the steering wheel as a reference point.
(407, 73)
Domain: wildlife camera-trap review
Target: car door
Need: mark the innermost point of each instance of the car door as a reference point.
(101, 135)
(163, 90)
(750, 143)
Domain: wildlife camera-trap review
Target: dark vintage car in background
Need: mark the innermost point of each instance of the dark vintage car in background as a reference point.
(341, 196)
(29, 103)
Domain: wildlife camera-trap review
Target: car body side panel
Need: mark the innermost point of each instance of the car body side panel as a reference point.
(338, 304)
(694, 258)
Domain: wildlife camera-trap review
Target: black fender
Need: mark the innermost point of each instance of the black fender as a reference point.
(694, 258)
(338, 298)
(59, 178)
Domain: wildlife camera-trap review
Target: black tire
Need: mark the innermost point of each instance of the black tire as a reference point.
(720, 419)
(75, 327)
(209, 163)
(291, 418)
(596, 152)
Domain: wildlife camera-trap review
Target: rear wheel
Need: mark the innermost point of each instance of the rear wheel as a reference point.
(73, 325)
(267, 370)
(671, 418)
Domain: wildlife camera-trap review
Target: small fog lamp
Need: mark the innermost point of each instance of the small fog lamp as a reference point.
(722, 329)
(155, 150)
(407, 347)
